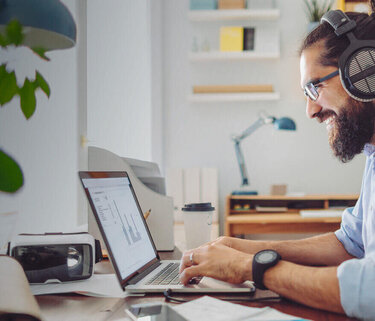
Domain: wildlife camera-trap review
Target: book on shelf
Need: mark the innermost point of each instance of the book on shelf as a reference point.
(231, 38)
(203, 4)
(231, 4)
(205, 89)
(248, 38)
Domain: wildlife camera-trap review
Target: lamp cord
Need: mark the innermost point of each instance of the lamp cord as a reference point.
(168, 297)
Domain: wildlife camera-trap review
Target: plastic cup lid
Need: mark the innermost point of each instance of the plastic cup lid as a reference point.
(198, 207)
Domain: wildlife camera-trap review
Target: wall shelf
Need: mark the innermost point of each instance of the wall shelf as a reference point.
(235, 97)
(231, 55)
(242, 14)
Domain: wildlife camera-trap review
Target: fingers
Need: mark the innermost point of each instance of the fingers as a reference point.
(187, 260)
(189, 273)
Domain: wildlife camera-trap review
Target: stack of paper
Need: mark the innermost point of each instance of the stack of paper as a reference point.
(99, 285)
(208, 308)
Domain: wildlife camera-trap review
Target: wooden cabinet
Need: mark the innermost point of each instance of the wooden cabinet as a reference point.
(263, 214)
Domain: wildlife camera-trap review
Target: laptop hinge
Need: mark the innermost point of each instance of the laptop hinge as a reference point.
(141, 275)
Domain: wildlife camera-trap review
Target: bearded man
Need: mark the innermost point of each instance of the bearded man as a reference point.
(334, 271)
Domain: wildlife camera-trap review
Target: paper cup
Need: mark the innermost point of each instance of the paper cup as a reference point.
(197, 223)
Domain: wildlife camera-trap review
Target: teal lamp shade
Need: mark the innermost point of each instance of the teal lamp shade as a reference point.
(284, 123)
(46, 23)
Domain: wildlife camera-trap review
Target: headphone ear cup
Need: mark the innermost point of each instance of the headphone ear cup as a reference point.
(359, 74)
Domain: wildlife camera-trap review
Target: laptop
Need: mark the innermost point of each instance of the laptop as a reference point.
(129, 243)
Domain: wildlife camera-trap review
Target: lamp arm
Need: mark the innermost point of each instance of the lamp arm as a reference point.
(241, 163)
(262, 120)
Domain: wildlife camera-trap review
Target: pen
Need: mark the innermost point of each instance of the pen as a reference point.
(147, 214)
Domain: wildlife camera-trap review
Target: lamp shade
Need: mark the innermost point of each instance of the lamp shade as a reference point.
(46, 23)
(284, 123)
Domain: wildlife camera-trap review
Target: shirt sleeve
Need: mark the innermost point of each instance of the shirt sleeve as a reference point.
(350, 232)
(356, 281)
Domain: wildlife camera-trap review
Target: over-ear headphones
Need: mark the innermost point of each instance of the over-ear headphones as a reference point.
(357, 62)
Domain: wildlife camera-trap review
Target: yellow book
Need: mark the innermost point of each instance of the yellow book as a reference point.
(231, 38)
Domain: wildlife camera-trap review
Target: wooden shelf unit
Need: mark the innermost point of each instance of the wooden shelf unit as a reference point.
(266, 48)
(287, 220)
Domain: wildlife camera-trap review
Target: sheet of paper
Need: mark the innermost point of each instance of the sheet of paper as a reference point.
(100, 285)
(270, 314)
(209, 308)
(321, 213)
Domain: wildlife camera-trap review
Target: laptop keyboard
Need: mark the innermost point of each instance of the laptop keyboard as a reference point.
(168, 275)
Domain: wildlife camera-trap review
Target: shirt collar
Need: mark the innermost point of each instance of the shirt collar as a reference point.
(369, 149)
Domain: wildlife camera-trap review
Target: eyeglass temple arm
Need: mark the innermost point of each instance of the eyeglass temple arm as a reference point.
(331, 75)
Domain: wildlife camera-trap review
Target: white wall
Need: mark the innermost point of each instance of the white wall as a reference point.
(199, 134)
(124, 73)
(47, 145)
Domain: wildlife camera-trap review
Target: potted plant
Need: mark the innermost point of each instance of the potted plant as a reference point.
(11, 177)
(49, 25)
(315, 10)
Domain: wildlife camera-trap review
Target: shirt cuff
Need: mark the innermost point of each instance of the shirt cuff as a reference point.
(351, 247)
(356, 280)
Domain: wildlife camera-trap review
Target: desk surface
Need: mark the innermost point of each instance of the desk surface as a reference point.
(77, 307)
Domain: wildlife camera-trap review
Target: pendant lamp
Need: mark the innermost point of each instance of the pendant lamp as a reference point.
(46, 23)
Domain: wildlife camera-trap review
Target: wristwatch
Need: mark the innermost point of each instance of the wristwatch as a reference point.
(262, 261)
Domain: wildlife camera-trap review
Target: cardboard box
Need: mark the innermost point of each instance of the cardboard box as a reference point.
(231, 4)
(231, 38)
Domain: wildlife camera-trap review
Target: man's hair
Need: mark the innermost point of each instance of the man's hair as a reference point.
(334, 46)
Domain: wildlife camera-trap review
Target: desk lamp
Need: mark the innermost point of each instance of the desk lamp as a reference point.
(48, 24)
(283, 123)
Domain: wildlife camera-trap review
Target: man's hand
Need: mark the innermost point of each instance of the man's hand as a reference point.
(217, 261)
(223, 240)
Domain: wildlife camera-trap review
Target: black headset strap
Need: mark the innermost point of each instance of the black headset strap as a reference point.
(339, 21)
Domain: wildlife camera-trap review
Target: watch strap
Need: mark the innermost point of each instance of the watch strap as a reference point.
(259, 270)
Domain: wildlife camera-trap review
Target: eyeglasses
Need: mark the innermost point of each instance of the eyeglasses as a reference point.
(311, 88)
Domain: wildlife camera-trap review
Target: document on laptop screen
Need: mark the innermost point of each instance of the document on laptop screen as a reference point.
(122, 223)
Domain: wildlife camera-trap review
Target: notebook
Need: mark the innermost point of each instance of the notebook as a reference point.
(129, 243)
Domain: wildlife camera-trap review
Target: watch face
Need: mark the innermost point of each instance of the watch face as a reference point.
(266, 257)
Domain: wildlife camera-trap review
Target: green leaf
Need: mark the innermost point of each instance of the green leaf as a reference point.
(14, 33)
(28, 101)
(8, 85)
(3, 42)
(40, 52)
(41, 83)
(11, 177)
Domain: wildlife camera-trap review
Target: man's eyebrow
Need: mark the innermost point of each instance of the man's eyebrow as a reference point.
(310, 80)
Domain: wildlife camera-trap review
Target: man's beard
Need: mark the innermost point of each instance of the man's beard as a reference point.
(353, 128)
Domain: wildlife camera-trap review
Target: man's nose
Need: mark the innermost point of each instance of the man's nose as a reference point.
(312, 108)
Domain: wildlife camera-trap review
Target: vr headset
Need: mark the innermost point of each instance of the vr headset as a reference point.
(56, 257)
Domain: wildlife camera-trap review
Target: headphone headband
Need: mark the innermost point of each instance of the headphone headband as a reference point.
(339, 21)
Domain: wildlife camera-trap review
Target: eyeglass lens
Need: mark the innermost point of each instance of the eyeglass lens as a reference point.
(310, 90)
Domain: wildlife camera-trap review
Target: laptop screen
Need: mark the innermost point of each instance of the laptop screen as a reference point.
(120, 220)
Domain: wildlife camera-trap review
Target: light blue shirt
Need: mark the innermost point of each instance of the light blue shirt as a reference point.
(357, 234)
